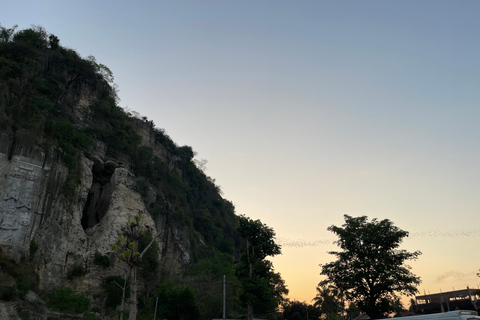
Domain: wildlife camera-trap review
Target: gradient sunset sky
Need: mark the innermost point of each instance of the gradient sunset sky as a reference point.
(308, 110)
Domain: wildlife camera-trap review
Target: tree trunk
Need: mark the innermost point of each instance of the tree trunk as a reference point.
(250, 312)
(122, 308)
(124, 288)
(133, 293)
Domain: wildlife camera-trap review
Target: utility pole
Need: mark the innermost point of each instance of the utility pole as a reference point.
(156, 304)
(223, 297)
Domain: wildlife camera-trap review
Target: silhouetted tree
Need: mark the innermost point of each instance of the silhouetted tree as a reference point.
(413, 303)
(6, 35)
(262, 288)
(296, 310)
(370, 268)
(329, 301)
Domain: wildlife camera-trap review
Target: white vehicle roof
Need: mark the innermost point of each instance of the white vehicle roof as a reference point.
(449, 314)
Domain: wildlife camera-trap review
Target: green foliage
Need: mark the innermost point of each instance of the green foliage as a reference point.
(175, 302)
(296, 310)
(114, 292)
(69, 137)
(76, 271)
(7, 34)
(352, 311)
(65, 300)
(113, 127)
(262, 288)
(71, 142)
(329, 301)
(31, 70)
(23, 287)
(23, 273)
(9, 293)
(24, 315)
(371, 269)
(33, 249)
(41, 82)
(142, 186)
(53, 41)
(164, 139)
(31, 37)
(40, 77)
(101, 260)
(260, 239)
(128, 250)
(90, 316)
(218, 265)
(206, 280)
(185, 153)
(150, 262)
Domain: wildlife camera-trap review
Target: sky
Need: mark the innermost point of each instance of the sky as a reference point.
(306, 111)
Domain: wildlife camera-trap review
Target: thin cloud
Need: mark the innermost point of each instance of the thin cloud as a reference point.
(456, 275)
(446, 233)
(300, 243)
(453, 233)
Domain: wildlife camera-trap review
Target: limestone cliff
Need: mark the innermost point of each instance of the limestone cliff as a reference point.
(74, 168)
(70, 230)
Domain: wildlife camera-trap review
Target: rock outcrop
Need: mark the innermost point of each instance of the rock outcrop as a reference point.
(75, 168)
(70, 230)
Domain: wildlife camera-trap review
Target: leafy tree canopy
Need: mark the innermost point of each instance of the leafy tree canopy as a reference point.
(262, 288)
(177, 302)
(329, 301)
(296, 310)
(370, 268)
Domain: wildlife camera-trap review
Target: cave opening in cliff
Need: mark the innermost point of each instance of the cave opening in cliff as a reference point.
(100, 194)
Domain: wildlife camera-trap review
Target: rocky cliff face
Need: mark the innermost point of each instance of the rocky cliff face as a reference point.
(75, 168)
(70, 230)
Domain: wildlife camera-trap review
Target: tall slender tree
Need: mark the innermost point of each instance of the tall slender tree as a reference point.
(128, 251)
(262, 288)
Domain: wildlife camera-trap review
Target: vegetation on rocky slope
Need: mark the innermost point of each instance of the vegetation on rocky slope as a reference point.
(52, 97)
(40, 84)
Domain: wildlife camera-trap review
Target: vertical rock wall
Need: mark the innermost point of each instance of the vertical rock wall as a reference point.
(70, 230)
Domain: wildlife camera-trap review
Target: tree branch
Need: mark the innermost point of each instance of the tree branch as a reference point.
(146, 248)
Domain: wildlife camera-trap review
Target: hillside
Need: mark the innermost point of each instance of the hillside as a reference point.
(76, 167)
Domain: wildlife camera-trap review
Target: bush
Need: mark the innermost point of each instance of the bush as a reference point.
(9, 293)
(33, 248)
(76, 271)
(24, 314)
(101, 260)
(142, 186)
(90, 316)
(23, 287)
(65, 300)
(177, 302)
(20, 290)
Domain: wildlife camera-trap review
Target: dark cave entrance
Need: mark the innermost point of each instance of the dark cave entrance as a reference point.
(100, 194)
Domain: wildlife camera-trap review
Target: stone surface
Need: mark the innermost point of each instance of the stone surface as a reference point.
(70, 230)
(34, 298)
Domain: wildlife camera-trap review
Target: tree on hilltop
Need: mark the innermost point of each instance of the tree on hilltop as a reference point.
(370, 269)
